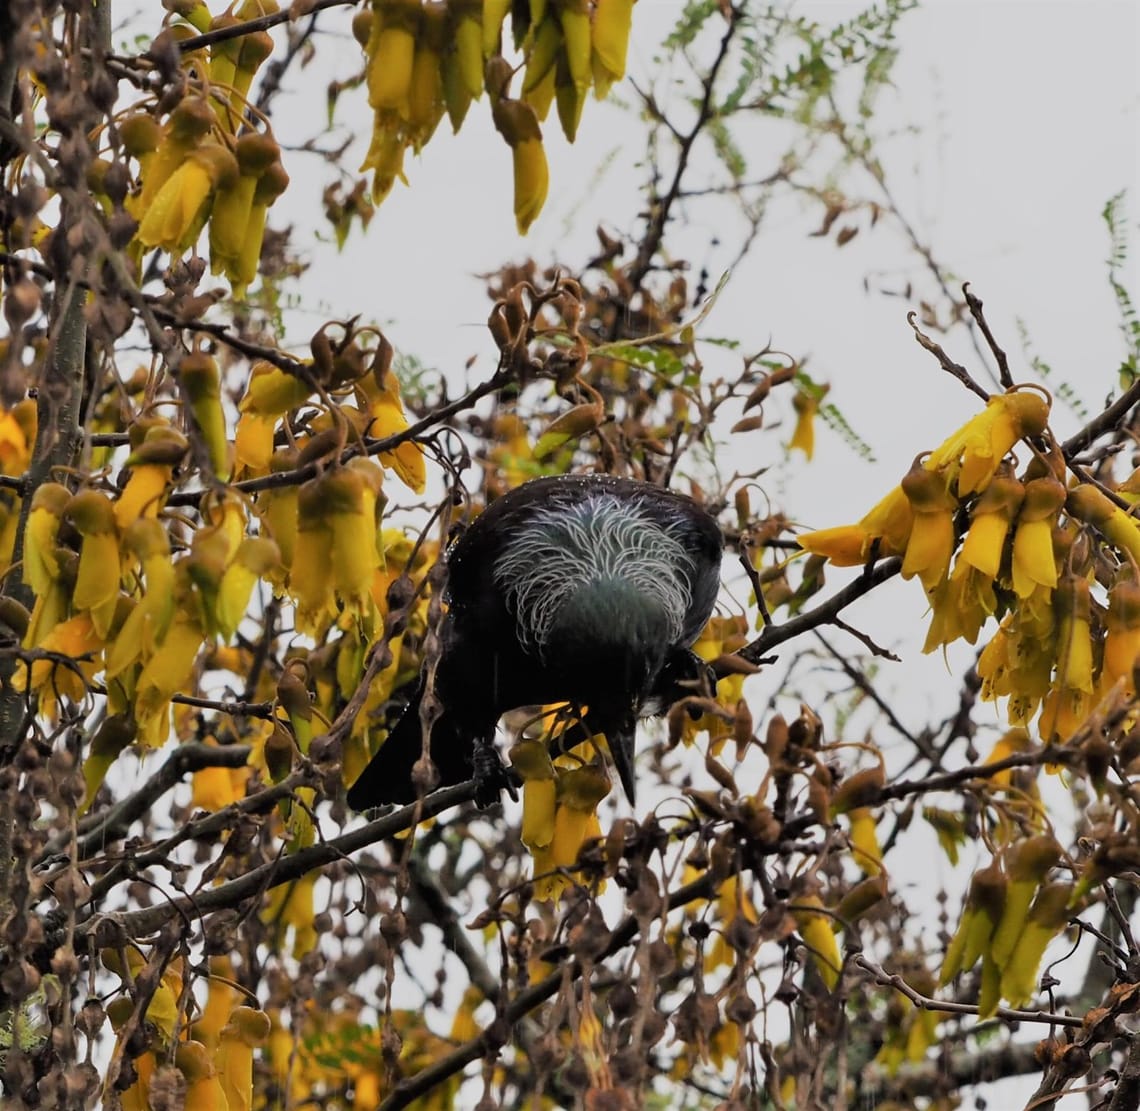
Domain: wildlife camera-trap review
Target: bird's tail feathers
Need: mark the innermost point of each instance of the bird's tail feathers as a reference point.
(388, 776)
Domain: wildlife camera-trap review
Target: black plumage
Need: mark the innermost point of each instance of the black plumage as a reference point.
(585, 589)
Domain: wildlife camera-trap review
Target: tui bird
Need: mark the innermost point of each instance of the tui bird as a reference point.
(585, 589)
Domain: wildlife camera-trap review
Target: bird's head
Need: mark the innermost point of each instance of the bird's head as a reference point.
(609, 643)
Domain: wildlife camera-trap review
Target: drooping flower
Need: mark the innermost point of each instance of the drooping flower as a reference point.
(1068, 703)
(1122, 635)
(97, 582)
(990, 521)
(517, 122)
(931, 541)
(1089, 504)
(806, 403)
(177, 215)
(612, 22)
(379, 392)
(971, 456)
(889, 522)
(1034, 564)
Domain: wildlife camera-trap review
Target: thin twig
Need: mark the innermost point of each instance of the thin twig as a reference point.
(944, 360)
(822, 614)
(975, 306)
(891, 980)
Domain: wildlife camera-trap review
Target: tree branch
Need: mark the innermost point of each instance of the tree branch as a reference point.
(772, 635)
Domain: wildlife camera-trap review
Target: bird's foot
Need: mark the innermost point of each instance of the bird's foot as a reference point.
(491, 776)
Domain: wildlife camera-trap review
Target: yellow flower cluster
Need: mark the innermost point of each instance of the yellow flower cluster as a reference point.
(214, 1058)
(204, 160)
(428, 57)
(1058, 650)
(1010, 916)
(560, 801)
(17, 435)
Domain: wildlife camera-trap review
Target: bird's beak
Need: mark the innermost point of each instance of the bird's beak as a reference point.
(621, 750)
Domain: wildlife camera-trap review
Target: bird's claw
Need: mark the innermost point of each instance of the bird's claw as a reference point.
(491, 777)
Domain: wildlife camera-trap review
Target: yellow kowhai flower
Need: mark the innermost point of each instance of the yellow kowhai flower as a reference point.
(517, 122)
(203, 1089)
(985, 903)
(512, 453)
(349, 496)
(1026, 862)
(166, 673)
(176, 217)
(540, 96)
(270, 394)
(532, 761)
(270, 185)
(246, 1030)
(1018, 662)
(468, 44)
(137, 1096)
(732, 902)
(574, 16)
(147, 624)
(277, 509)
(1030, 679)
(816, 930)
(546, 45)
(720, 636)
(79, 641)
(610, 44)
(221, 998)
(224, 53)
(1034, 564)
(289, 908)
(189, 123)
(579, 790)
(229, 219)
(201, 382)
(1068, 704)
(889, 522)
(961, 606)
(1011, 742)
(806, 404)
(570, 97)
(255, 558)
(990, 521)
(1089, 504)
(1122, 636)
(379, 395)
(41, 567)
(311, 573)
(931, 541)
(17, 434)
(255, 47)
(385, 158)
(151, 466)
(1046, 918)
(425, 103)
(97, 581)
(273, 392)
(141, 134)
(865, 847)
(391, 51)
(971, 456)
